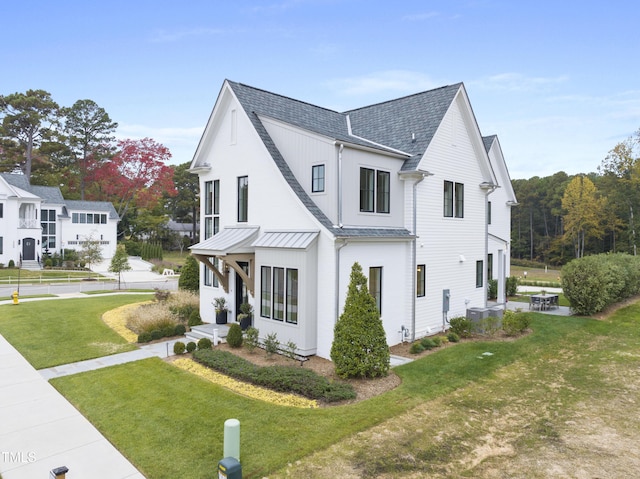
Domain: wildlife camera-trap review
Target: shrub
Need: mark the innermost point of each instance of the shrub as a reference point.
(179, 330)
(489, 325)
(416, 348)
(190, 275)
(461, 326)
(191, 346)
(492, 290)
(514, 323)
(290, 379)
(453, 337)
(179, 347)
(290, 349)
(183, 303)
(156, 334)
(251, 339)
(512, 286)
(234, 336)
(204, 343)
(271, 344)
(161, 294)
(428, 343)
(144, 337)
(11, 264)
(194, 318)
(360, 346)
(439, 340)
(168, 331)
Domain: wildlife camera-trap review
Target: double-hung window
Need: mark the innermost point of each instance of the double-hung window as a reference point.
(375, 191)
(453, 199)
(317, 178)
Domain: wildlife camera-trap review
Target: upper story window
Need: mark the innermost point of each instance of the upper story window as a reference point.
(89, 218)
(453, 199)
(1, 210)
(375, 190)
(48, 223)
(317, 178)
(243, 199)
(489, 212)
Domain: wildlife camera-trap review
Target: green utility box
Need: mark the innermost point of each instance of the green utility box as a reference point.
(229, 468)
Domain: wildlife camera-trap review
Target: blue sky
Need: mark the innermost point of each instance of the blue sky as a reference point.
(557, 81)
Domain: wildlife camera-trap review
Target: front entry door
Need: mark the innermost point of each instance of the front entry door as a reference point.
(28, 249)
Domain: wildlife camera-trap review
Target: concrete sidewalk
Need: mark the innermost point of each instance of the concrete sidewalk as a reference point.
(40, 430)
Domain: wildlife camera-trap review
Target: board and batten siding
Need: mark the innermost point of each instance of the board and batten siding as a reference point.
(450, 247)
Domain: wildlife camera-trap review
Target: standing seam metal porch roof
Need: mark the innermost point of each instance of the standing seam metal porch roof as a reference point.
(229, 240)
(286, 239)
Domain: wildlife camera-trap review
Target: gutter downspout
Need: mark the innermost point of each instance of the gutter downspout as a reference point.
(340, 185)
(337, 281)
(414, 253)
(488, 189)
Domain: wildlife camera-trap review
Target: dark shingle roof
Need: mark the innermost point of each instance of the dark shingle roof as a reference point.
(386, 126)
(488, 141)
(105, 206)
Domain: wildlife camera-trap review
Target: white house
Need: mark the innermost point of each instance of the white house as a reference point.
(36, 219)
(293, 194)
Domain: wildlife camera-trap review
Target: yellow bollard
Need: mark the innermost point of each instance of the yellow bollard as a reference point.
(15, 297)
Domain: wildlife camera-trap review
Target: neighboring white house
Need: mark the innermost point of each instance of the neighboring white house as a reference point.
(293, 194)
(36, 219)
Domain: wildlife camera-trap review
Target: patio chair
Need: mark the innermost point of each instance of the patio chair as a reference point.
(535, 303)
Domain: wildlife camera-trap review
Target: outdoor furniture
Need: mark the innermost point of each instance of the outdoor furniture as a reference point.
(543, 301)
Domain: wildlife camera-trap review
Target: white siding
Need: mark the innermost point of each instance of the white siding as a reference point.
(450, 247)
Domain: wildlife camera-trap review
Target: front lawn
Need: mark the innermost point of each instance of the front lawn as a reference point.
(169, 423)
(60, 331)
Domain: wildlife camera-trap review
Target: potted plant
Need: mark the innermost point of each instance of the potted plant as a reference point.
(246, 315)
(220, 304)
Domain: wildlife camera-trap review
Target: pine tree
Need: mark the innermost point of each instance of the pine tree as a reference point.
(359, 346)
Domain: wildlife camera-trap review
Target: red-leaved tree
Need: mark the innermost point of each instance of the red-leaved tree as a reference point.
(135, 176)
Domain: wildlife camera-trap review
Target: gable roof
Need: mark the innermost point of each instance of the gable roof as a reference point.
(105, 206)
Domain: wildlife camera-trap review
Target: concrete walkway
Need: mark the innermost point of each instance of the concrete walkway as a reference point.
(40, 430)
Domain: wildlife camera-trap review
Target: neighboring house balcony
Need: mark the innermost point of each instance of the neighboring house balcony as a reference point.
(28, 223)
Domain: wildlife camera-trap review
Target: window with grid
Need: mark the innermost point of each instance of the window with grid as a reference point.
(48, 224)
(317, 178)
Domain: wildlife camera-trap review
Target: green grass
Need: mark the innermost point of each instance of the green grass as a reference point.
(31, 276)
(50, 333)
(536, 274)
(181, 417)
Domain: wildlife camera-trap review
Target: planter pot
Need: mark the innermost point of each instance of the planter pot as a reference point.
(245, 323)
(221, 317)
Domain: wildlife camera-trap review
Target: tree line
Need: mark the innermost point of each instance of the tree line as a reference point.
(562, 217)
(74, 148)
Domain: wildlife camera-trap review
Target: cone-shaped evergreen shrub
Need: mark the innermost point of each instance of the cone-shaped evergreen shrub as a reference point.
(234, 336)
(359, 346)
(190, 275)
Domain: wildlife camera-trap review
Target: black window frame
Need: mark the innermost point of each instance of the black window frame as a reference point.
(375, 285)
(318, 178)
(453, 199)
(421, 280)
(243, 199)
(479, 273)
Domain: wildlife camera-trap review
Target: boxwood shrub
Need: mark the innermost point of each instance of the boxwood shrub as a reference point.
(290, 379)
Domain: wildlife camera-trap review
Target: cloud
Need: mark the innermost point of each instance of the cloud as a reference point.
(389, 81)
(517, 82)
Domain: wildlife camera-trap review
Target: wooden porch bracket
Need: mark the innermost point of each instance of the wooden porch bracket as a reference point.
(230, 261)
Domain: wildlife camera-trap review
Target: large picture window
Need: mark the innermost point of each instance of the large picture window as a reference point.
(243, 199)
(453, 199)
(279, 294)
(375, 285)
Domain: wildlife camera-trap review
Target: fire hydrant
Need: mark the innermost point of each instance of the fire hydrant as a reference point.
(15, 297)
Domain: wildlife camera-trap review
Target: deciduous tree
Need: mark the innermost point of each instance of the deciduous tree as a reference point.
(583, 213)
(120, 262)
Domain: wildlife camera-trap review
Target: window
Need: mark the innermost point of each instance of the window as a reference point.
(1, 241)
(211, 279)
(489, 266)
(453, 199)
(375, 190)
(265, 292)
(278, 293)
(489, 212)
(317, 178)
(479, 273)
(383, 185)
(375, 285)
(216, 197)
(292, 296)
(1, 210)
(243, 199)
(48, 224)
(420, 280)
(208, 197)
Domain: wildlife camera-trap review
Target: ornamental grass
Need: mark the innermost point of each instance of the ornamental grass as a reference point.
(151, 317)
(117, 319)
